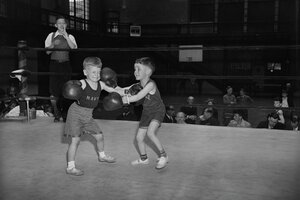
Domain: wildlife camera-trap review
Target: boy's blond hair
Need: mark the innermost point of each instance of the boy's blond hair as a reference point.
(92, 61)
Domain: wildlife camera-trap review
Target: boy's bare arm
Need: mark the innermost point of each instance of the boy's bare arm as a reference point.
(119, 90)
(147, 89)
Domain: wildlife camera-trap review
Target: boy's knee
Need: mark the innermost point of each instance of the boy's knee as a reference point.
(75, 140)
(99, 136)
(151, 134)
(139, 138)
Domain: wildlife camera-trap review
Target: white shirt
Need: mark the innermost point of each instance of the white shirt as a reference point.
(49, 39)
(284, 103)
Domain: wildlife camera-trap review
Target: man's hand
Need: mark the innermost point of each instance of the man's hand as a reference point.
(65, 34)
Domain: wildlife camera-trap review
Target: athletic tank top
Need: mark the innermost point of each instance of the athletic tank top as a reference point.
(89, 97)
(60, 43)
(153, 103)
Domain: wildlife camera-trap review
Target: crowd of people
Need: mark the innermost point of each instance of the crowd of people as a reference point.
(235, 112)
(232, 112)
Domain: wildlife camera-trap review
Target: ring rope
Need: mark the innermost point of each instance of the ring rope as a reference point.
(176, 76)
(32, 97)
(205, 48)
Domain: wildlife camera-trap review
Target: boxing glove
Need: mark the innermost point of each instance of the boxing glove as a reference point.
(112, 101)
(109, 77)
(72, 90)
(134, 89)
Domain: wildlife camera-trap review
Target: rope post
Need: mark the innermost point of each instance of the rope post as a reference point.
(23, 86)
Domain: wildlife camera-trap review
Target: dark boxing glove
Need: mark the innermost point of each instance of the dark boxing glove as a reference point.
(109, 77)
(134, 89)
(72, 90)
(112, 101)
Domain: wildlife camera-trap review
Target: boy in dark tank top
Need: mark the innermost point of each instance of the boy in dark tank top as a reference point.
(80, 114)
(153, 111)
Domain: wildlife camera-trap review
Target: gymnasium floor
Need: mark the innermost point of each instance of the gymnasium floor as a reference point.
(209, 163)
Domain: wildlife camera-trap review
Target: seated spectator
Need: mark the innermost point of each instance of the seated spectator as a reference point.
(277, 106)
(285, 100)
(290, 93)
(127, 114)
(229, 98)
(244, 99)
(210, 103)
(293, 123)
(46, 108)
(207, 118)
(238, 120)
(10, 101)
(170, 115)
(272, 122)
(190, 110)
(180, 118)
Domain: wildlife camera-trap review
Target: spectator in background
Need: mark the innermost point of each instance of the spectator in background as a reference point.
(180, 118)
(207, 118)
(229, 98)
(127, 114)
(190, 110)
(170, 115)
(243, 99)
(210, 103)
(10, 100)
(290, 92)
(293, 123)
(285, 100)
(59, 63)
(238, 120)
(278, 110)
(272, 122)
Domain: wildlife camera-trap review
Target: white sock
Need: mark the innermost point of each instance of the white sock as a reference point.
(71, 164)
(102, 154)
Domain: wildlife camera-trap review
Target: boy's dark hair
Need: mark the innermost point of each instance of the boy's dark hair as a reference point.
(273, 115)
(276, 99)
(60, 17)
(170, 107)
(147, 61)
(243, 90)
(228, 87)
(294, 117)
(239, 112)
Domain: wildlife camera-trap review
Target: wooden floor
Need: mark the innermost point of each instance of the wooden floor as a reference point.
(209, 163)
